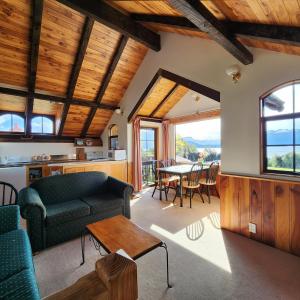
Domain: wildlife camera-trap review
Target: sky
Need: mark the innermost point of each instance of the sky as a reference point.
(202, 130)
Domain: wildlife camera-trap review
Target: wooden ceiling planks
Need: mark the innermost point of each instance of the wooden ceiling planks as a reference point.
(172, 100)
(12, 103)
(46, 107)
(102, 44)
(160, 90)
(75, 120)
(60, 36)
(14, 42)
(130, 60)
(278, 12)
(99, 122)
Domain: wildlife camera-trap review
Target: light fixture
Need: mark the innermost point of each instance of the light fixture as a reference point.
(234, 72)
(196, 97)
(118, 111)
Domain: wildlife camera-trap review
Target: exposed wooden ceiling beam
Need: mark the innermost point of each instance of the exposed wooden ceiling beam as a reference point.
(113, 18)
(164, 100)
(37, 13)
(204, 115)
(40, 96)
(274, 33)
(107, 77)
(143, 97)
(199, 15)
(192, 85)
(83, 43)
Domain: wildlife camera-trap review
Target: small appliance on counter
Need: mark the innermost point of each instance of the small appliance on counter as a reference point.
(117, 154)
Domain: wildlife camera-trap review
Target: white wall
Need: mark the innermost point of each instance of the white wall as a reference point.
(26, 150)
(205, 62)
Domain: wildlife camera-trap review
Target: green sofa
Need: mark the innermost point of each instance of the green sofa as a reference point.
(17, 276)
(57, 208)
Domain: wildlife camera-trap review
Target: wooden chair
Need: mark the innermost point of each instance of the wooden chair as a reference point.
(191, 182)
(8, 194)
(210, 180)
(164, 183)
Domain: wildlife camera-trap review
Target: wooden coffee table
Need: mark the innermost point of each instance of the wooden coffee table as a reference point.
(120, 233)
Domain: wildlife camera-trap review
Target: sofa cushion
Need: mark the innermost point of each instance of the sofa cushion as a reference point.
(66, 211)
(103, 202)
(67, 187)
(20, 286)
(15, 253)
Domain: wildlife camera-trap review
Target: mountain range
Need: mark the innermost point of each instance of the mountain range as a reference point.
(214, 143)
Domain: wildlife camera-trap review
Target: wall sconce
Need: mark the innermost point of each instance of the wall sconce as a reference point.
(118, 111)
(234, 72)
(196, 97)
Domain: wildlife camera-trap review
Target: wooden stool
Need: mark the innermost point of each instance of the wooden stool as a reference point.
(115, 278)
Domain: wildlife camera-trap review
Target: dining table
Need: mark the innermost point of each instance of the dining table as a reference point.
(179, 170)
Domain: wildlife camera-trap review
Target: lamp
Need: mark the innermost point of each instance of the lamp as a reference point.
(118, 111)
(234, 72)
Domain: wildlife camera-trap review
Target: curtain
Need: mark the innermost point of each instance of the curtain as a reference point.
(136, 155)
(165, 137)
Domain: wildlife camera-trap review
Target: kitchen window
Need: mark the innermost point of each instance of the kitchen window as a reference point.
(280, 130)
(11, 122)
(42, 125)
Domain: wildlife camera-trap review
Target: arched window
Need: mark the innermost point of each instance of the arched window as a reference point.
(10, 122)
(280, 129)
(113, 137)
(42, 125)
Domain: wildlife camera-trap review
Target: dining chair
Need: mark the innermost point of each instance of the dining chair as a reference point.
(191, 182)
(210, 180)
(162, 182)
(8, 194)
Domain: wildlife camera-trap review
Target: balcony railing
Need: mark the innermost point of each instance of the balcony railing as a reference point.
(147, 173)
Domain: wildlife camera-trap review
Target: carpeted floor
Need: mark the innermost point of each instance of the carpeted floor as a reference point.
(205, 262)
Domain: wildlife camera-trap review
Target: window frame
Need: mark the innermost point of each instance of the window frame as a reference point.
(50, 117)
(20, 114)
(263, 132)
(111, 137)
(155, 129)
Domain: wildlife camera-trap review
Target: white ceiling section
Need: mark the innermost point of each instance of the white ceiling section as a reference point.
(187, 105)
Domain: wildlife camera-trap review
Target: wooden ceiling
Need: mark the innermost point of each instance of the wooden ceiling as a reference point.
(164, 91)
(83, 67)
(75, 59)
(281, 13)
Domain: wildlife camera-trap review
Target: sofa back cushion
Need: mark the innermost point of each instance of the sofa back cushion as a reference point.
(62, 188)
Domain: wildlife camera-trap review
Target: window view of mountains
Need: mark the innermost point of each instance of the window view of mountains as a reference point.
(282, 136)
(214, 143)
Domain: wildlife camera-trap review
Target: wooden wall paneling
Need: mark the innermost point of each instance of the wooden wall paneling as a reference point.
(268, 213)
(60, 36)
(282, 215)
(129, 62)
(244, 205)
(75, 120)
(171, 101)
(100, 49)
(15, 24)
(46, 107)
(230, 212)
(256, 208)
(12, 103)
(295, 218)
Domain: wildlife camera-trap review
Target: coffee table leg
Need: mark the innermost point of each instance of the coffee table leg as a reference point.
(164, 245)
(82, 239)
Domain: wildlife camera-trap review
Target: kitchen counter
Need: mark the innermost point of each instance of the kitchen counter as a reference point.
(51, 162)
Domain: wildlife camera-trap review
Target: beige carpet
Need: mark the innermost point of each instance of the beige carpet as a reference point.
(205, 262)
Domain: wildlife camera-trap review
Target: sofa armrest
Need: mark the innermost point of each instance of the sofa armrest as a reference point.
(9, 218)
(34, 211)
(29, 198)
(122, 190)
